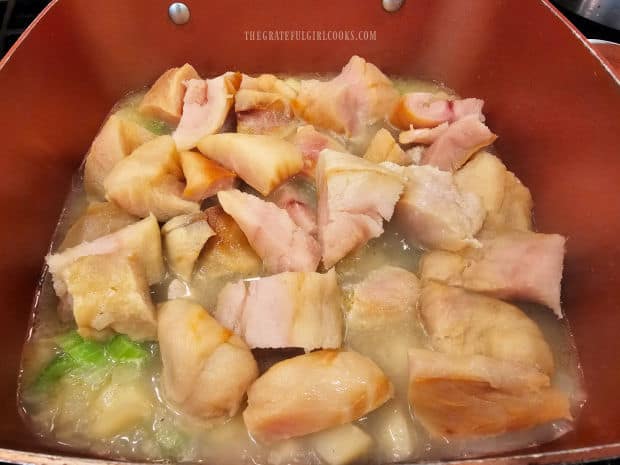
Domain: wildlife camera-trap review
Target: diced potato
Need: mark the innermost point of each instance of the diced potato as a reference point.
(483, 175)
(204, 177)
(150, 180)
(164, 100)
(184, 237)
(117, 138)
(99, 219)
(383, 147)
(341, 445)
(394, 433)
(110, 292)
(118, 408)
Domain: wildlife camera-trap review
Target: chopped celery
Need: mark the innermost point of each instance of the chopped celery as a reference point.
(88, 353)
(158, 127)
(69, 340)
(90, 361)
(121, 349)
(56, 369)
(170, 439)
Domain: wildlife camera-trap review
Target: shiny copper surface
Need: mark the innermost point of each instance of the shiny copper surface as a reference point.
(554, 104)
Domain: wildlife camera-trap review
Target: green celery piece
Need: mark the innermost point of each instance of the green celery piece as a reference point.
(121, 349)
(88, 353)
(158, 127)
(170, 439)
(56, 369)
(69, 340)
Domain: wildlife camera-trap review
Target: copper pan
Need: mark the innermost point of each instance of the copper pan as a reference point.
(554, 102)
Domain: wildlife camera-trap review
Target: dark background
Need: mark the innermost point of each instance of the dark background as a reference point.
(16, 15)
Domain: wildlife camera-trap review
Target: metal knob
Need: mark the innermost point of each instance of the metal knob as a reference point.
(392, 6)
(179, 13)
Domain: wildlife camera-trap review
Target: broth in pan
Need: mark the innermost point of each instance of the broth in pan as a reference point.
(299, 269)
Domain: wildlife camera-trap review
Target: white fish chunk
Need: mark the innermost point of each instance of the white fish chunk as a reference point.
(388, 293)
(110, 292)
(284, 310)
(358, 97)
(458, 143)
(383, 147)
(205, 106)
(424, 136)
(429, 110)
(314, 392)
(206, 368)
(164, 100)
(150, 180)
(310, 142)
(184, 237)
(513, 265)
(515, 212)
(350, 212)
(204, 177)
(466, 323)
(433, 212)
(296, 197)
(281, 244)
(141, 240)
(226, 257)
(99, 219)
(117, 138)
(472, 396)
(264, 162)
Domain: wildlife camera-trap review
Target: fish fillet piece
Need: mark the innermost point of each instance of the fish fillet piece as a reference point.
(458, 143)
(204, 177)
(206, 368)
(513, 265)
(184, 237)
(485, 176)
(164, 100)
(110, 292)
(515, 212)
(383, 147)
(424, 136)
(99, 219)
(298, 198)
(263, 106)
(205, 107)
(459, 322)
(429, 110)
(141, 240)
(291, 309)
(358, 97)
(150, 180)
(310, 142)
(117, 138)
(226, 257)
(434, 213)
(264, 162)
(314, 392)
(355, 196)
(472, 396)
(281, 244)
(388, 293)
